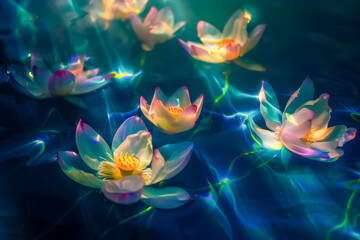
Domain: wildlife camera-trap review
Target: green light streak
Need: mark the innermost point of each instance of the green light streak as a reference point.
(355, 116)
(224, 91)
(127, 220)
(142, 63)
(346, 217)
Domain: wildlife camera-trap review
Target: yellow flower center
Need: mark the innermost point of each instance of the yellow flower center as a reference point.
(225, 42)
(175, 111)
(127, 162)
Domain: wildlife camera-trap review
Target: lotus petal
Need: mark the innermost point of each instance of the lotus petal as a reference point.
(165, 198)
(61, 83)
(92, 147)
(176, 158)
(130, 126)
(127, 190)
(139, 145)
(75, 168)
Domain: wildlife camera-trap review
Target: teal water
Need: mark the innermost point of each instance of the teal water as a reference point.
(238, 190)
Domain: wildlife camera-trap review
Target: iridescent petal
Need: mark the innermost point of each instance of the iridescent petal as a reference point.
(141, 4)
(249, 64)
(75, 169)
(130, 126)
(339, 133)
(199, 103)
(139, 145)
(92, 147)
(158, 96)
(299, 123)
(187, 118)
(322, 112)
(298, 146)
(202, 52)
(177, 29)
(77, 65)
(165, 198)
(141, 31)
(166, 15)
(89, 85)
(182, 97)
(127, 190)
(24, 83)
(268, 139)
(230, 51)
(41, 78)
(176, 158)
(144, 106)
(161, 33)
(151, 17)
(253, 40)
(37, 60)
(269, 107)
(61, 83)
(157, 164)
(207, 33)
(299, 97)
(235, 28)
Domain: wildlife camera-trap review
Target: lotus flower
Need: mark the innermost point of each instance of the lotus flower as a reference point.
(118, 9)
(125, 171)
(175, 114)
(229, 45)
(158, 27)
(38, 81)
(303, 126)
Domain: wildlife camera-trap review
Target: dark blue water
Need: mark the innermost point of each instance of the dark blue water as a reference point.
(238, 191)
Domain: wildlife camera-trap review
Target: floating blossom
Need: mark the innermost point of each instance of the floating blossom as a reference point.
(303, 126)
(157, 27)
(118, 9)
(227, 46)
(122, 171)
(175, 114)
(40, 82)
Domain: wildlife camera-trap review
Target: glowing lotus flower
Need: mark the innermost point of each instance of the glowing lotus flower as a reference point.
(175, 114)
(229, 45)
(118, 9)
(158, 27)
(122, 171)
(40, 82)
(303, 127)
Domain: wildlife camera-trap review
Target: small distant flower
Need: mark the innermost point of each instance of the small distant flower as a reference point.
(303, 127)
(40, 82)
(118, 9)
(175, 114)
(122, 171)
(227, 46)
(158, 27)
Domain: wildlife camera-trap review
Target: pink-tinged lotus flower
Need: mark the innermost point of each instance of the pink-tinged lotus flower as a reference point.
(157, 27)
(125, 171)
(118, 9)
(39, 81)
(230, 44)
(175, 114)
(303, 126)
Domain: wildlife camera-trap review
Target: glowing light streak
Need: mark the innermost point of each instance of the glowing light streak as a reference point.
(347, 210)
(355, 116)
(224, 91)
(142, 63)
(126, 220)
